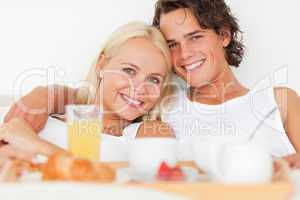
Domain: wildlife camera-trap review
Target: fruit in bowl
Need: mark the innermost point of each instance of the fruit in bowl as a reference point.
(167, 173)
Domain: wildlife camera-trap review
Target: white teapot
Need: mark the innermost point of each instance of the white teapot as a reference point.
(239, 162)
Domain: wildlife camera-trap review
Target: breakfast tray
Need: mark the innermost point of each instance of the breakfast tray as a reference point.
(279, 189)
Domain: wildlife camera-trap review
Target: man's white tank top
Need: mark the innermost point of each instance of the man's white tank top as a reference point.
(232, 121)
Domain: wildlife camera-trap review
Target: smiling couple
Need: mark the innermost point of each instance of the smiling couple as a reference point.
(131, 78)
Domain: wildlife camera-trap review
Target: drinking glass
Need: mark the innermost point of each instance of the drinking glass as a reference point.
(84, 124)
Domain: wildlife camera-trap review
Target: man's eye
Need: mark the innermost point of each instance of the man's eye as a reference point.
(129, 71)
(196, 37)
(154, 80)
(172, 45)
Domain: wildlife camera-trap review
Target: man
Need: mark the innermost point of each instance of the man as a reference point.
(203, 37)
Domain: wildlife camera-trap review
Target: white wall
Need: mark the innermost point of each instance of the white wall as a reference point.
(66, 34)
(271, 34)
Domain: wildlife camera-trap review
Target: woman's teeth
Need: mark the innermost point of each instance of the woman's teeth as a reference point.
(132, 101)
(194, 65)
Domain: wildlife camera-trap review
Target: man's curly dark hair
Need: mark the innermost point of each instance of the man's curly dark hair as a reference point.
(211, 14)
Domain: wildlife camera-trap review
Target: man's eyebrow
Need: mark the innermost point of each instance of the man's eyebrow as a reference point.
(132, 65)
(171, 41)
(193, 33)
(186, 35)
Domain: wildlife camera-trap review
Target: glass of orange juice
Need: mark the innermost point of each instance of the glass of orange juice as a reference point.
(84, 124)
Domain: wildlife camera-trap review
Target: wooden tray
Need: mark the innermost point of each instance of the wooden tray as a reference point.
(279, 189)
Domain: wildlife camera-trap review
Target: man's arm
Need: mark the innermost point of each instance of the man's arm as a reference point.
(289, 106)
(41, 102)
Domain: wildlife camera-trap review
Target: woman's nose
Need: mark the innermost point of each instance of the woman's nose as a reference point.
(139, 89)
(137, 86)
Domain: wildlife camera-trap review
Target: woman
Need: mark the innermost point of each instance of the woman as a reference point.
(203, 37)
(128, 80)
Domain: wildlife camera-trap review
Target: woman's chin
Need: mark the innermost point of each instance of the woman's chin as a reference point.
(129, 115)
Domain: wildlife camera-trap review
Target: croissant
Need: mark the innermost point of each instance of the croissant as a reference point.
(65, 167)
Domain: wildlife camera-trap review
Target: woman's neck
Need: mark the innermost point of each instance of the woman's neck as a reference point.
(223, 88)
(112, 123)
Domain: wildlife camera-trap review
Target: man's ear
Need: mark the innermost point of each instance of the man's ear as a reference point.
(100, 63)
(225, 36)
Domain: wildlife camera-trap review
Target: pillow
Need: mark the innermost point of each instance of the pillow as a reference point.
(55, 132)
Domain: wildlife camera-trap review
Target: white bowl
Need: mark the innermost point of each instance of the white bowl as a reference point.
(146, 155)
(241, 162)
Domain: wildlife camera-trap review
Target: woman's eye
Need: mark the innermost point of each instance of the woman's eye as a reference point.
(129, 71)
(154, 80)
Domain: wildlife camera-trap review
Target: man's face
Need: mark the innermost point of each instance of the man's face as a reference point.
(198, 54)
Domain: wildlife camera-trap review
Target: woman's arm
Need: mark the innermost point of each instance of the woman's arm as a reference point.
(8, 170)
(17, 137)
(289, 106)
(41, 102)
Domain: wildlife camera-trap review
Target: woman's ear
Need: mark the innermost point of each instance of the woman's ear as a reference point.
(100, 64)
(225, 35)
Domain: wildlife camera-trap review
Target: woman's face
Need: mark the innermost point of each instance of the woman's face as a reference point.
(133, 79)
(197, 54)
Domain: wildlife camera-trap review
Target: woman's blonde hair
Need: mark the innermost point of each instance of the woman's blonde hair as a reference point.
(87, 92)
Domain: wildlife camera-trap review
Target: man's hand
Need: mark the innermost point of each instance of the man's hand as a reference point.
(293, 160)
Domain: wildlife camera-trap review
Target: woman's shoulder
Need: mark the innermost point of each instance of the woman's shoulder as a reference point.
(154, 128)
(131, 130)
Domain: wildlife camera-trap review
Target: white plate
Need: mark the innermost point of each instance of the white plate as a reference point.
(31, 177)
(123, 176)
(295, 177)
(191, 174)
(78, 191)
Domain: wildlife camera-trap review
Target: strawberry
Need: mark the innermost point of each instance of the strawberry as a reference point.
(164, 171)
(176, 174)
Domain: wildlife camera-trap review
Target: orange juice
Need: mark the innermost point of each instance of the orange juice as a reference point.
(84, 138)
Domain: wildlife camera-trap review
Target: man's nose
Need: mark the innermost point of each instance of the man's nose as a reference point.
(186, 52)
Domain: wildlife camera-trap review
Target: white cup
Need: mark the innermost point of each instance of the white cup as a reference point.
(242, 162)
(146, 155)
